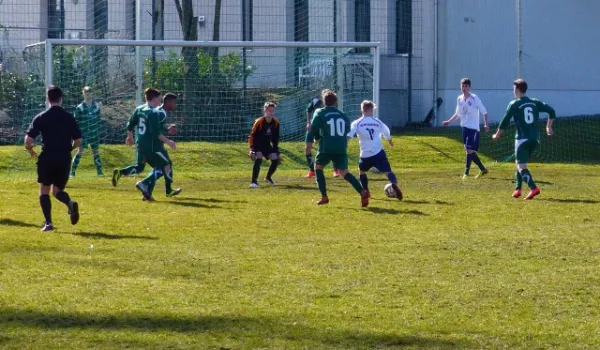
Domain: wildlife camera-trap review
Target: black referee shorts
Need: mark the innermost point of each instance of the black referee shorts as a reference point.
(53, 170)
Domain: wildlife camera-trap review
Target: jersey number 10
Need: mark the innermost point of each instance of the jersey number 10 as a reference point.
(337, 127)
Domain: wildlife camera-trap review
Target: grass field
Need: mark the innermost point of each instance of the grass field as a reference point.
(458, 264)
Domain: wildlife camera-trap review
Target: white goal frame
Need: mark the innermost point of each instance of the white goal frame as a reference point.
(138, 44)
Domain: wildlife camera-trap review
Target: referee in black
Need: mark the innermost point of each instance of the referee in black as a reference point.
(60, 135)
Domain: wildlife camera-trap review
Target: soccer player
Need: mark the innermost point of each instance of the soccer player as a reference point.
(525, 111)
(149, 141)
(331, 126)
(264, 142)
(369, 131)
(87, 115)
(468, 107)
(60, 135)
(314, 104)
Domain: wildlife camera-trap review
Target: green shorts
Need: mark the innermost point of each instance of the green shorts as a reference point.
(524, 149)
(339, 160)
(157, 160)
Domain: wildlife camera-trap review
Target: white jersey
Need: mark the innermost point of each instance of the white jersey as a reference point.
(468, 110)
(369, 131)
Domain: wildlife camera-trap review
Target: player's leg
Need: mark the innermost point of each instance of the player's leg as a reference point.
(258, 159)
(77, 158)
(168, 173)
(383, 164)
(146, 186)
(274, 158)
(309, 158)
(134, 169)
(94, 144)
(59, 182)
(364, 165)
(321, 161)
(340, 162)
(44, 179)
(474, 147)
(523, 154)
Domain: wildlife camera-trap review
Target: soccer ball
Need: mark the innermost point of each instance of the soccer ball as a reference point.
(389, 191)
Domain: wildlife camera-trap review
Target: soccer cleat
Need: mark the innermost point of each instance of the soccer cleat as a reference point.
(270, 182)
(254, 185)
(336, 173)
(310, 175)
(323, 200)
(465, 176)
(100, 174)
(174, 192)
(364, 198)
(47, 227)
(398, 192)
(517, 193)
(532, 193)
(151, 199)
(74, 213)
(115, 177)
(482, 173)
(142, 187)
(72, 175)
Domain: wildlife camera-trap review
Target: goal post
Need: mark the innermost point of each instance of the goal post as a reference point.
(221, 86)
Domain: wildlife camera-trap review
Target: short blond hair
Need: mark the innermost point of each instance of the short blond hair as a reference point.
(270, 104)
(87, 88)
(367, 105)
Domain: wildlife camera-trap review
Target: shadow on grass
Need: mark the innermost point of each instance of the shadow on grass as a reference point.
(571, 200)
(17, 223)
(208, 200)
(408, 201)
(312, 187)
(377, 210)
(102, 235)
(192, 204)
(233, 327)
(446, 155)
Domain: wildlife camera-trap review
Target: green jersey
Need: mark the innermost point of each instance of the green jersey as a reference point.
(526, 113)
(145, 120)
(330, 126)
(162, 117)
(87, 116)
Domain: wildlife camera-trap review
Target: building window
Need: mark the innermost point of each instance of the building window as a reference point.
(100, 19)
(300, 34)
(248, 20)
(403, 26)
(54, 19)
(130, 19)
(362, 22)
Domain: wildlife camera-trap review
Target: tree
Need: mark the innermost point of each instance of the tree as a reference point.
(189, 28)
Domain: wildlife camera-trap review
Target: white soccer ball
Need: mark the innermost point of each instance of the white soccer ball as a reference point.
(389, 191)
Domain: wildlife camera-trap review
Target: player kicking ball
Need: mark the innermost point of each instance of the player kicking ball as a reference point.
(331, 127)
(369, 131)
(525, 111)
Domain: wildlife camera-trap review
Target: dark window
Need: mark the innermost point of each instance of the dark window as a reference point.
(54, 17)
(403, 26)
(100, 19)
(248, 21)
(130, 15)
(362, 22)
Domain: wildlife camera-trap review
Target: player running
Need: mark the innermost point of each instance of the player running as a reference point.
(314, 104)
(526, 112)
(369, 131)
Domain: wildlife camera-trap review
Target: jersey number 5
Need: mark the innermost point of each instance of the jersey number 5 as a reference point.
(528, 115)
(141, 126)
(337, 127)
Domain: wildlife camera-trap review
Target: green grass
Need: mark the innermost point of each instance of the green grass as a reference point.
(456, 265)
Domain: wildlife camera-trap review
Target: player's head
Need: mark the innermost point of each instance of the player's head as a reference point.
(87, 92)
(465, 85)
(519, 87)
(170, 101)
(54, 95)
(367, 107)
(269, 108)
(152, 97)
(329, 98)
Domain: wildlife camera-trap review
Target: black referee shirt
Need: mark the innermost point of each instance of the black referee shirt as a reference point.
(58, 129)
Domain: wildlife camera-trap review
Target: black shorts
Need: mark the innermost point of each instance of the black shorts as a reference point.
(265, 150)
(53, 171)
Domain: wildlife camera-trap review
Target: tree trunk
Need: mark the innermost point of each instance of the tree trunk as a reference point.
(189, 28)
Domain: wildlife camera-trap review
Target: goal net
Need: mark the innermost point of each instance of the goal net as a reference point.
(221, 86)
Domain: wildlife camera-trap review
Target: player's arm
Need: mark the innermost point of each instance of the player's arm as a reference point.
(252, 136)
(315, 126)
(453, 117)
(385, 132)
(75, 133)
(276, 136)
(483, 111)
(131, 124)
(505, 122)
(155, 128)
(353, 129)
(32, 132)
(546, 108)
